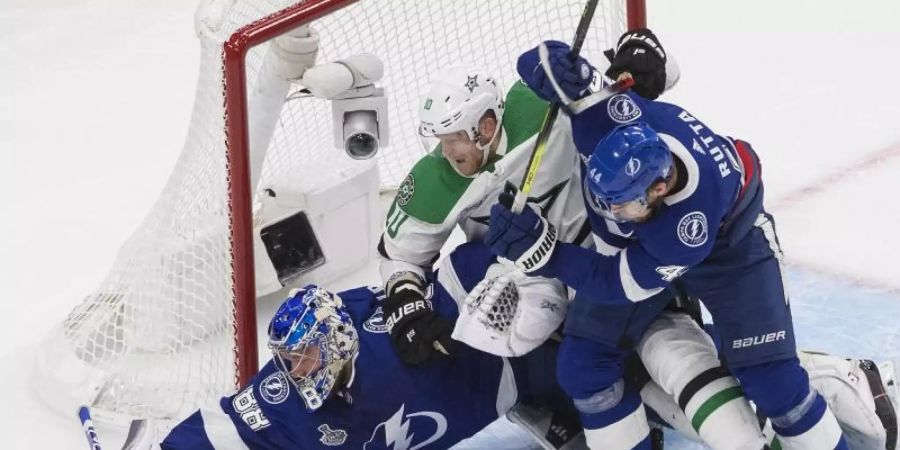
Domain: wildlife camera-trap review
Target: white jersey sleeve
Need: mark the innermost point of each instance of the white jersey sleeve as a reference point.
(433, 199)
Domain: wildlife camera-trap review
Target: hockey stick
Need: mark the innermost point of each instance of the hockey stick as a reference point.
(87, 426)
(540, 145)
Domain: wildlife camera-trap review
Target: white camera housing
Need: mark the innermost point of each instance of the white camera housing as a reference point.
(364, 122)
(359, 108)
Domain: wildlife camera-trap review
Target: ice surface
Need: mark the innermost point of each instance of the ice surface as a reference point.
(95, 100)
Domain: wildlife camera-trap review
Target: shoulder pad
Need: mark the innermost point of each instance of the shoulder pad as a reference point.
(523, 114)
(431, 190)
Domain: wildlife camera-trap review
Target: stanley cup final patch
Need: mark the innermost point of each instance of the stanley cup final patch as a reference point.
(692, 229)
(331, 438)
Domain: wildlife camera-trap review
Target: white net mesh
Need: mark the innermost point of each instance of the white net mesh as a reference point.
(158, 332)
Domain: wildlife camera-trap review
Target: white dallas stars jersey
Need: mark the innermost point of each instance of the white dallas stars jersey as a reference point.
(434, 198)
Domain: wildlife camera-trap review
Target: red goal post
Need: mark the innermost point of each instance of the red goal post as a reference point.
(174, 324)
(236, 109)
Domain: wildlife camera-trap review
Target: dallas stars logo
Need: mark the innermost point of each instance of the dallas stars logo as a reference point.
(406, 190)
(472, 83)
(545, 201)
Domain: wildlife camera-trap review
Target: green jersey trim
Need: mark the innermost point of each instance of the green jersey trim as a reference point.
(523, 115)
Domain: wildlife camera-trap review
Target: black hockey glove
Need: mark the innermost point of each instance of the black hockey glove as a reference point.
(640, 54)
(419, 335)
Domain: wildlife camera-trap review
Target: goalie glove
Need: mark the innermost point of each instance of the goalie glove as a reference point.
(419, 335)
(509, 313)
(640, 54)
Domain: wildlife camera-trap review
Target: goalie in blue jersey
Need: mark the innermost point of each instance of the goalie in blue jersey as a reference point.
(335, 381)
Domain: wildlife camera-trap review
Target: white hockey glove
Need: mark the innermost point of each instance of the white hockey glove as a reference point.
(509, 313)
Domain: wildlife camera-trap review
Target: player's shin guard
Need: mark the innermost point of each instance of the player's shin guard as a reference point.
(679, 355)
(614, 419)
(809, 426)
(799, 415)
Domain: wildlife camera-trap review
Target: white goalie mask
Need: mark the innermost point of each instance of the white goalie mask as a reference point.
(456, 102)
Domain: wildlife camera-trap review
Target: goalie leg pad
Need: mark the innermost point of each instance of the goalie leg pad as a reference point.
(855, 392)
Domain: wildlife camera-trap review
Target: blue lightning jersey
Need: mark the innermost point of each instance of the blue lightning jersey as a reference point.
(716, 202)
(387, 404)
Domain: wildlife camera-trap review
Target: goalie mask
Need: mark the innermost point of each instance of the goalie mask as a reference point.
(312, 340)
(456, 102)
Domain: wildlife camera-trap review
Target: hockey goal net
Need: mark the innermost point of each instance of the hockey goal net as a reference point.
(174, 325)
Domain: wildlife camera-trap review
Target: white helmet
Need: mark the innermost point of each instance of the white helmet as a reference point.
(457, 101)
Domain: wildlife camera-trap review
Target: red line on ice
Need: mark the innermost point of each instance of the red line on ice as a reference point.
(830, 181)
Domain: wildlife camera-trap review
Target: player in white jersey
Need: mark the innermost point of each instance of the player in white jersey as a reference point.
(485, 139)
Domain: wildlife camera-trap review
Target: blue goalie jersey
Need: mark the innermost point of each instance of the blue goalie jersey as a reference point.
(386, 404)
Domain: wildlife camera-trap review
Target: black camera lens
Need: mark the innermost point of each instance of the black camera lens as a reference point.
(361, 145)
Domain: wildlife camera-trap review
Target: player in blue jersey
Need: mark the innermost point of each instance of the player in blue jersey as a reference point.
(335, 381)
(672, 205)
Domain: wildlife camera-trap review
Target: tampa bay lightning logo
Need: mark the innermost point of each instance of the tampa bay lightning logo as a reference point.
(622, 109)
(375, 323)
(400, 431)
(692, 229)
(633, 166)
(274, 388)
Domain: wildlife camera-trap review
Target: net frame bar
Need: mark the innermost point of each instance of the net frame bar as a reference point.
(237, 143)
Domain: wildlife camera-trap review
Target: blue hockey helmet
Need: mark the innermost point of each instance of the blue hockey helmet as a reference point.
(626, 162)
(312, 339)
